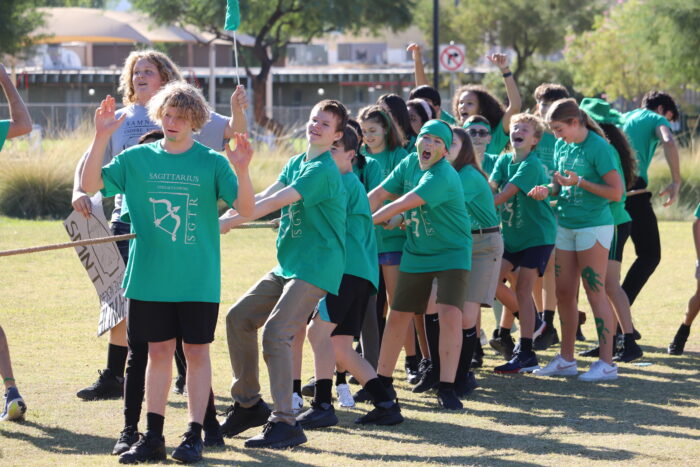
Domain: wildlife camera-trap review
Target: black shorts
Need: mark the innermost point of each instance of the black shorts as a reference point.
(617, 246)
(194, 322)
(347, 309)
(535, 257)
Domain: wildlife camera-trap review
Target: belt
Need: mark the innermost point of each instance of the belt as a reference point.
(487, 230)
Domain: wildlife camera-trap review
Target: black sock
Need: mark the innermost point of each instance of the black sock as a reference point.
(385, 380)
(683, 331)
(341, 378)
(432, 334)
(296, 386)
(504, 333)
(322, 391)
(377, 390)
(195, 428)
(116, 359)
(526, 345)
(210, 420)
(446, 386)
(469, 341)
(517, 315)
(549, 318)
(154, 423)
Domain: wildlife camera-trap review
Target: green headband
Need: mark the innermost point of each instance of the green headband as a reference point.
(439, 129)
(476, 123)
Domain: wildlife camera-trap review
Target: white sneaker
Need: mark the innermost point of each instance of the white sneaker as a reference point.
(297, 403)
(600, 371)
(558, 367)
(344, 395)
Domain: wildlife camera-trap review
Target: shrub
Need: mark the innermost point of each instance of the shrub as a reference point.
(33, 189)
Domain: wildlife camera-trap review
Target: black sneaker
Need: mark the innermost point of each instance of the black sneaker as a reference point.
(362, 396)
(592, 352)
(428, 381)
(503, 346)
(579, 334)
(630, 352)
(412, 374)
(381, 415)
(309, 388)
(547, 339)
(127, 438)
(149, 447)
(278, 435)
(424, 364)
(239, 419)
(180, 385)
(678, 345)
(318, 416)
(478, 357)
(213, 436)
(465, 385)
(107, 386)
(190, 449)
(448, 400)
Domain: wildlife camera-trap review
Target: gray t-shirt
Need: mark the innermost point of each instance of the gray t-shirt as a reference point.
(137, 123)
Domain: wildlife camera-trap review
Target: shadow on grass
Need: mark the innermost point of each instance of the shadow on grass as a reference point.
(59, 440)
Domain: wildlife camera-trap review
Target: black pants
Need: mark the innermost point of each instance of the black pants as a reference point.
(646, 240)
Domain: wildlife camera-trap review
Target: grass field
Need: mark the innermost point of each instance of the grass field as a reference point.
(649, 416)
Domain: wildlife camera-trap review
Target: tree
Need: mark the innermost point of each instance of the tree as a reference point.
(527, 27)
(18, 18)
(276, 23)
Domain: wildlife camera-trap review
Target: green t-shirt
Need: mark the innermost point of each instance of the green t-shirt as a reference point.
(697, 211)
(640, 126)
(478, 198)
(499, 139)
(447, 117)
(360, 242)
(438, 232)
(527, 222)
(594, 157)
(370, 175)
(617, 208)
(489, 163)
(545, 151)
(389, 240)
(311, 238)
(411, 145)
(175, 256)
(4, 129)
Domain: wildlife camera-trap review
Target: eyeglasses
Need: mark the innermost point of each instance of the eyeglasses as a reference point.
(480, 133)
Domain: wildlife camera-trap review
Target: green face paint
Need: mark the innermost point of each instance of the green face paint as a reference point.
(600, 327)
(557, 270)
(591, 277)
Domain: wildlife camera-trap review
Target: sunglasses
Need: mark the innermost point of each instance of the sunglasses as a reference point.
(480, 133)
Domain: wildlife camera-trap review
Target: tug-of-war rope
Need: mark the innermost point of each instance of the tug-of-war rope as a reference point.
(112, 238)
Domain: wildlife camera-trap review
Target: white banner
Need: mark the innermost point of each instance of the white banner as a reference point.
(102, 262)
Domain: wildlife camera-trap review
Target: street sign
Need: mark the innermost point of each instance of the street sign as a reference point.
(451, 57)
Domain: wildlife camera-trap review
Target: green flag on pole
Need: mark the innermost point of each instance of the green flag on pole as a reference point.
(233, 15)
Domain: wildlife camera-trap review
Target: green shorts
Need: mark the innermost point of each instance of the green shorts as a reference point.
(413, 289)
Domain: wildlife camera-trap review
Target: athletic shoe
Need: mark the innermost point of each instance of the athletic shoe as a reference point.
(318, 416)
(297, 403)
(547, 339)
(180, 386)
(362, 396)
(599, 371)
(107, 386)
(478, 356)
(385, 413)
(428, 381)
(411, 368)
(558, 367)
(14, 407)
(239, 419)
(503, 346)
(127, 438)
(465, 385)
(189, 450)
(520, 363)
(213, 436)
(630, 352)
(309, 388)
(678, 345)
(344, 395)
(592, 352)
(540, 326)
(579, 334)
(447, 399)
(149, 447)
(278, 435)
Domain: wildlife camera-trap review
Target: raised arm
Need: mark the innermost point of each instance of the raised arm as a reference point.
(20, 121)
(418, 68)
(514, 100)
(668, 143)
(105, 125)
(238, 122)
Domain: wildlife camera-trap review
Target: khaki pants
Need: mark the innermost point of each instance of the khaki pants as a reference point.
(279, 306)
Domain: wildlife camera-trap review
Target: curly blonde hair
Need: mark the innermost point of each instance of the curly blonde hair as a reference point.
(534, 121)
(167, 69)
(184, 97)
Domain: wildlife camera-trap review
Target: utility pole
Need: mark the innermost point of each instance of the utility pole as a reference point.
(436, 43)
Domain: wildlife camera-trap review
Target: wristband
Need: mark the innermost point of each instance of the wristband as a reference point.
(5, 380)
(549, 189)
(580, 179)
(507, 74)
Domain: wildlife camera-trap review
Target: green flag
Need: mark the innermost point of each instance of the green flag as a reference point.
(233, 15)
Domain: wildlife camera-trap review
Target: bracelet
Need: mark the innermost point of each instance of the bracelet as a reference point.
(580, 179)
(507, 74)
(5, 380)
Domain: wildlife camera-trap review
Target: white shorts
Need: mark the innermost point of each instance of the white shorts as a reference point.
(584, 239)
